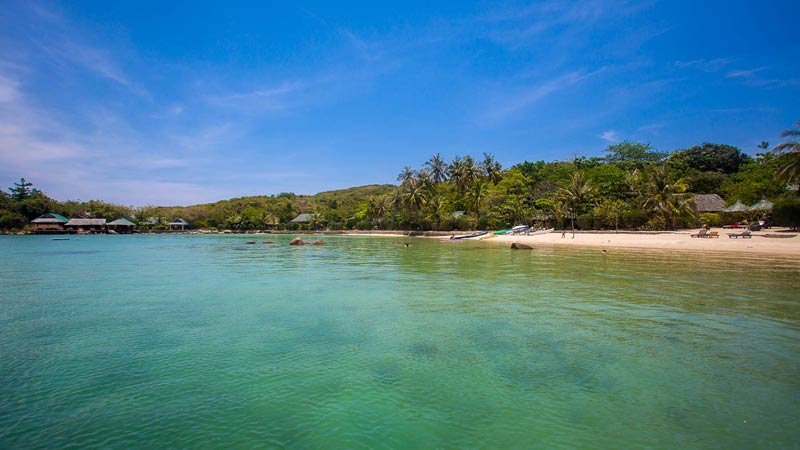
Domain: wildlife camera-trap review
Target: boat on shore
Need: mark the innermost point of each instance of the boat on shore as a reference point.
(467, 236)
(540, 231)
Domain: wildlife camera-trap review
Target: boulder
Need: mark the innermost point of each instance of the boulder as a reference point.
(296, 241)
(250, 242)
(319, 242)
(520, 246)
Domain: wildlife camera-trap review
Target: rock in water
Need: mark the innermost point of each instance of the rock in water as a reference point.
(296, 241)
(520, 246)
(250, 242)
(319, 242)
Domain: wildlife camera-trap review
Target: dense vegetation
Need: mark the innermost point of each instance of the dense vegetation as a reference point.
(633, 187)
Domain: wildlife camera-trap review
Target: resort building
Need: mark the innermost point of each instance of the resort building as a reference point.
(704, 203)
(122, 226)
(178, 225)
(86, 226)
(50, 223)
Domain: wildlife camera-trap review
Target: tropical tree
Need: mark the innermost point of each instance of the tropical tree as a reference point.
(789, 165)
(437, 167)
(406, 174)
(633, 153)
(665, 197)
(577, 192)
(22, 190)
(491, 168)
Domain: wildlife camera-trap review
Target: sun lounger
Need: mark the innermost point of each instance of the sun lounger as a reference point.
(743, 235)
(701, 233)
(712, 234)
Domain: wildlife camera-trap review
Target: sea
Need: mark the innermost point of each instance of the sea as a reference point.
(207, 341)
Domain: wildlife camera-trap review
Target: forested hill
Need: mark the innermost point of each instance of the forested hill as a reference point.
(632, 187)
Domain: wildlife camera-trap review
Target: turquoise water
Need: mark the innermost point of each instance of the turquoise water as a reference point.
(205, 342)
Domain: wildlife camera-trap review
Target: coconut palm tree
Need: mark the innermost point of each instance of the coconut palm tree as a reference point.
(455, 171)
(436, 210)
(405, 175)
(477, 194)
(789, 166)
(666, 198)
(577, 192)
(491, 168)
(415, 194)
(437, 168)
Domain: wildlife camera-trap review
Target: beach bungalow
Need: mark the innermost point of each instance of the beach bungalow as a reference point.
(122, 226)
(762, 205)
(736, 207)
(303, 218)
(50, 223)
(306, 218)
(76, 225)
(178, 225)
(708, 203)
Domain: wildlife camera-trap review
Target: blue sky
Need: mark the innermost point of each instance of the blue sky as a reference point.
(177, 103)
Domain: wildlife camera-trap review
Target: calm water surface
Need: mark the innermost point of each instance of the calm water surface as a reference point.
(205, 342)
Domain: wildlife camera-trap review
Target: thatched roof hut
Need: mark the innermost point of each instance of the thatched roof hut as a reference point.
(303, 218)
(736, 207)
(761, 205)
(86, 223)
(90, 225)
(708, 203)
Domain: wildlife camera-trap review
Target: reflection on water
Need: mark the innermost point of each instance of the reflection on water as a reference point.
(145, 341)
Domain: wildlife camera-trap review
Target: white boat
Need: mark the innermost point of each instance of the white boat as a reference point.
(540, 231)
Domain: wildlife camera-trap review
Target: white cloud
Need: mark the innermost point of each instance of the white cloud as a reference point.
(610, 136)
(530, 96)
(704, 65)
(748, 73)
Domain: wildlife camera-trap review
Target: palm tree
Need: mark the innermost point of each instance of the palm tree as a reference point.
(455, 171)
(666, 198)
(436, 210)
(491, 168)
(577, 192)
(477, 194)
(763, 145)
(789, 166)
(406, 174)
(416, 194)
(472, 171)
(437, 167)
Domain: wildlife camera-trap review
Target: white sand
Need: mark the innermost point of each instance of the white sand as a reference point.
(679, 240)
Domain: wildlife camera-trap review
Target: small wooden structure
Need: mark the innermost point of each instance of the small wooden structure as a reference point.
(50, 223)
(86, 225)
(708, 203)
(178, 225)
(122, 226)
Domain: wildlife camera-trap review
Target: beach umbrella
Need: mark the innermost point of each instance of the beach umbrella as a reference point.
(736, 207)
(763, 205)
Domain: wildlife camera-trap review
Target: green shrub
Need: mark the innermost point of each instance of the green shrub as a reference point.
(585, 221)
(786, 212)
(633, 219)
(711, 219)
(656, 223)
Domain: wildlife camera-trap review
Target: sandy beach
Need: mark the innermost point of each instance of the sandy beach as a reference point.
(760, 243)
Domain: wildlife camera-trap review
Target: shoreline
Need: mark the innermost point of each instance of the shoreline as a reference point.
(776, 242)
(788, 244)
